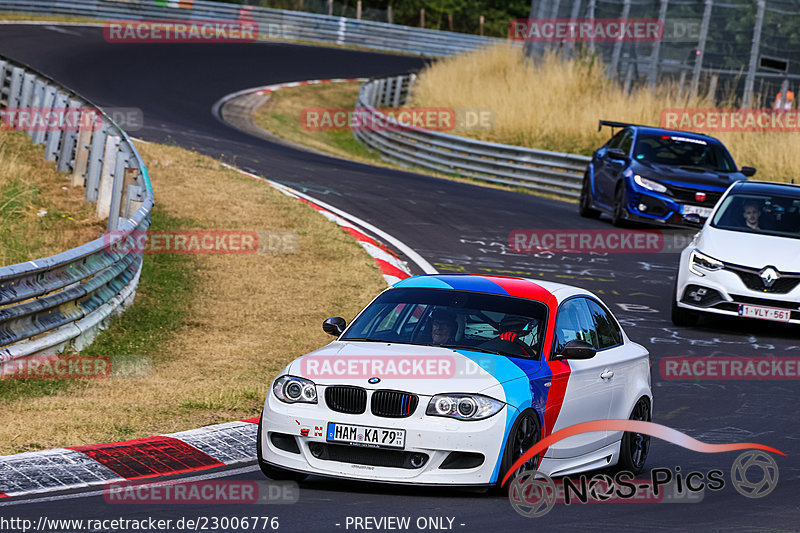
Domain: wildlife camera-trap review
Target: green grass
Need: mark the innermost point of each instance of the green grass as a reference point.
(167, 281)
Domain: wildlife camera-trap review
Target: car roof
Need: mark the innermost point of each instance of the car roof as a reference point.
(504, 285)
(767, 187)
(677, 133)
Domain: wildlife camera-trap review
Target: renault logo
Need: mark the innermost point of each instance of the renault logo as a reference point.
(769, 276)
(373, 381)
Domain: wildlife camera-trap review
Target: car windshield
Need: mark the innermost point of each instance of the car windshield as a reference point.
(759, 213)
(455, 319)
(683, 151)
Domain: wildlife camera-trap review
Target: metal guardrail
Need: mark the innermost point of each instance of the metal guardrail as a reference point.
(272, 23)
(539, 170)
(50, 304)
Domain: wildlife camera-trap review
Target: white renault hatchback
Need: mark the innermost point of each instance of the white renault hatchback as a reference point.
(745, 261)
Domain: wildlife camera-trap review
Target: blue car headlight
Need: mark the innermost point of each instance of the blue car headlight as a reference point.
(463, 406)
(649, 184)
(291, 389)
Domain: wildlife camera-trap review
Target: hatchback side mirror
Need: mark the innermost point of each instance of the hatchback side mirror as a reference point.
(576, 349)
(748, 171)
(334, 326)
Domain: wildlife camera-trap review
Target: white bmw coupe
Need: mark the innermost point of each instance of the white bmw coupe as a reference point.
(449, 379)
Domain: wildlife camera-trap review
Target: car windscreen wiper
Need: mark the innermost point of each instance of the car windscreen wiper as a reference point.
(470, 348)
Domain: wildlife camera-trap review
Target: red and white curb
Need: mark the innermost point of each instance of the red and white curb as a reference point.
(59, 469)
(392, 268)
(266, 89)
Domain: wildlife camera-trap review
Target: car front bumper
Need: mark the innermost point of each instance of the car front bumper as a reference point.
(433, 438)
(721, 292)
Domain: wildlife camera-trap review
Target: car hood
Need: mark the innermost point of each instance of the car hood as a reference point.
(683, 176)
(424, 370)
(750, 249)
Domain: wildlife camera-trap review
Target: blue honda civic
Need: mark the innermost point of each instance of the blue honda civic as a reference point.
(657, 176)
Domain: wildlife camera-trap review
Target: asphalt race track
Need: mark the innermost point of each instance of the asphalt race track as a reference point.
(457, 227)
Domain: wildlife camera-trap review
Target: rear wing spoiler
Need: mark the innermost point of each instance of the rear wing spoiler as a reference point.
(612, 124)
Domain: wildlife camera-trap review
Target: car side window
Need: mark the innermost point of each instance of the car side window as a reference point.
(574, 322)
(608, 332)
(616, 139)
(626, 142)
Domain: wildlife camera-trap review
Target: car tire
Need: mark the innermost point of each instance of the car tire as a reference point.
(634, 447)
(273, 472)
(619, 213)
(525, 432)
(682, 317)
(585, 208)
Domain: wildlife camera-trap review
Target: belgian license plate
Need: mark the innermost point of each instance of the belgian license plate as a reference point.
(366, 436)
(703, 212)
(765, 313)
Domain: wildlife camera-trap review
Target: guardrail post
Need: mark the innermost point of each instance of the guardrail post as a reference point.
(49, 96)
(26, 99)
(3, 65)
(82, 147)
(95, 165)
(398, 87)
(15, 87)
(130, 190)
(53, 136)
(120, 165)
(69, 136)
(36, 103)
(106, 186)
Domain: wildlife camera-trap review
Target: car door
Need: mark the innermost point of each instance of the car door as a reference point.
(588, 394)
(609, 174)
(624, 365)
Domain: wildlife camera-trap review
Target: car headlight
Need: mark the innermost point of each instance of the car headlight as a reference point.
(291, 389)
(701, 260)
(463, 406)
(649, 184)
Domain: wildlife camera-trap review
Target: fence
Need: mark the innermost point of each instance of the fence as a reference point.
(272, 23)
(539, 170)
(726, 49)
(49, 304)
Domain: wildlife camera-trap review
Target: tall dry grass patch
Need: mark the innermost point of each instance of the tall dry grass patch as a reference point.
(554, 104)
(41, 214)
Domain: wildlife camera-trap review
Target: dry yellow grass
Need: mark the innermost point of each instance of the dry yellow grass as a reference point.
(555, 105)
(41, 214)
(248, 317)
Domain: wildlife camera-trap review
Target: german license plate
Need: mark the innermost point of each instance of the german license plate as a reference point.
(702, 212)
(366, 436)
(765, 313)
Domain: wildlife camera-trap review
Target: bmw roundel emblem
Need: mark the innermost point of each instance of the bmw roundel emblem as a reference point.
(373, 381)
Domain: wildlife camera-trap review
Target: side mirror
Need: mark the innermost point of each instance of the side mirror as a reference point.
(617, 153)
(334, 326)
(747, 171)
(576, 349)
